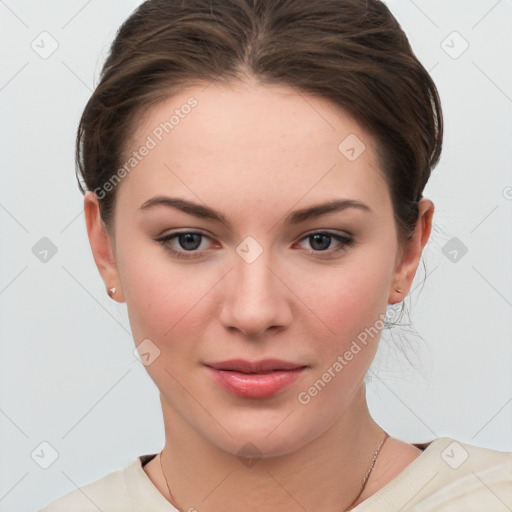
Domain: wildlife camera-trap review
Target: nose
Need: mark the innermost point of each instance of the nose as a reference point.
(255, 297)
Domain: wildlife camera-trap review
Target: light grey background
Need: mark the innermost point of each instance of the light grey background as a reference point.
(68, 374)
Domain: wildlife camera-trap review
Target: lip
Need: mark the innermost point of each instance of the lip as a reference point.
(257, 379)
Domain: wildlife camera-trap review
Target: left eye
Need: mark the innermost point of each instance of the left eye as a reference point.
(321, 241)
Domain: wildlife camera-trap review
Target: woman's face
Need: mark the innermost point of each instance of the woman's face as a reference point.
(257, 285)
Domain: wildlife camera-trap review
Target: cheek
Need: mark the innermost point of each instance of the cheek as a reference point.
(350, 297)
(350, 302)
(163, 298)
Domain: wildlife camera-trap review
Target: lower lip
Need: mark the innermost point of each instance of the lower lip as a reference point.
(253, 385)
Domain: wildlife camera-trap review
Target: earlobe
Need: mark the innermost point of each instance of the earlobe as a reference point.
(101, 246)
(410, 253)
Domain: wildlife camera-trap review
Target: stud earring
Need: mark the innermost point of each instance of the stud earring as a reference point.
(111, 291)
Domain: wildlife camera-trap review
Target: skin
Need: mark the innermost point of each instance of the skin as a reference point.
(254, 153)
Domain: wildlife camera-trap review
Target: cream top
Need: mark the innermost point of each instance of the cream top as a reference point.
(448, 476)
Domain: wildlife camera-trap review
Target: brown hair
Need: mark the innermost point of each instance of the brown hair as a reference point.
(351, 52)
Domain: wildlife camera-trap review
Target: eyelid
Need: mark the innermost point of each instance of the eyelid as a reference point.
(327, 231)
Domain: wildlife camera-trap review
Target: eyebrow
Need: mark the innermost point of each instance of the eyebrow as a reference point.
(295, 217)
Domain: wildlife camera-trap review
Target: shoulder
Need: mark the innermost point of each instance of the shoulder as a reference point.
(448, 475)
(108, 494)
(468, 477)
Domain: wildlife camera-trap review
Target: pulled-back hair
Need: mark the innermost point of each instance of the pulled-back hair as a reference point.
(350, 52)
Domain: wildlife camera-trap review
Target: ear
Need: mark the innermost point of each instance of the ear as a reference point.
(101, 245)
(409, 256)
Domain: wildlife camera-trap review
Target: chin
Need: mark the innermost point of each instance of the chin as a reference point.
(264, 439)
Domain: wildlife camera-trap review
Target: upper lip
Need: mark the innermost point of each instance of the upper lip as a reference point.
(265, 365)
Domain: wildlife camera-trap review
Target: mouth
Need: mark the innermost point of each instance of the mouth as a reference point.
(263, 366)
(255, 379)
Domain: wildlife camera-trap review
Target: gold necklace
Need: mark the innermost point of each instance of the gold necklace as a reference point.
(365, 480)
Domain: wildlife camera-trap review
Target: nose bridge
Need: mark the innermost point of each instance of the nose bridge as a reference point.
(254, 278)
(255, 297)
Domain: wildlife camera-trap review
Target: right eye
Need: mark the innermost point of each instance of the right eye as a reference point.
(187, 243)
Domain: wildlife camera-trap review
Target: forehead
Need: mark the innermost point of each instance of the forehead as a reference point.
(246, 115)
(251, 139)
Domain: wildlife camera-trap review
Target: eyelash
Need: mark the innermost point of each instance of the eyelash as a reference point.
(346, 241)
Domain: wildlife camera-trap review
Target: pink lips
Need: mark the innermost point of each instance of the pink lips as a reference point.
(259, 379)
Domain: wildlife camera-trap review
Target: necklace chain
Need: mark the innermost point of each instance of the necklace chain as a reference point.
(365, 480)
(367, 476)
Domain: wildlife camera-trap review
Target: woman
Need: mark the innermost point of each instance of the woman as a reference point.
(253, 174)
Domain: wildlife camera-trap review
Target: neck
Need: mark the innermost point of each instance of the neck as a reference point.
(326, 474)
